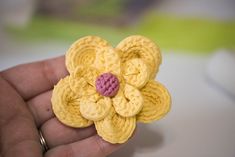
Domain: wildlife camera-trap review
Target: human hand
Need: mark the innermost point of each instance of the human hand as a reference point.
(25, 107)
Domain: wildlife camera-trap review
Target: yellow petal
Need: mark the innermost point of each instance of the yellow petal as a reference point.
(136, 72)
(107, 60)
(157, 102)
(128, 102)
(137, 46)
(83, 52)
(82, 80)
(65, 105)
(95, 107)
(115, 128)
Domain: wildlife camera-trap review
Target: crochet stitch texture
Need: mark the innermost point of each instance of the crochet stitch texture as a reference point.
(112, 88)
(107, 84)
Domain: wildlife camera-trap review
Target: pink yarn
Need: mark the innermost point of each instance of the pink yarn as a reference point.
(107, 84)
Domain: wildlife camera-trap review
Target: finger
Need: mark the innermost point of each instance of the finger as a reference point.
(20, 137)
(18, 134)
(40, 106)
(35, 78)
(56, 133)
(90, 147)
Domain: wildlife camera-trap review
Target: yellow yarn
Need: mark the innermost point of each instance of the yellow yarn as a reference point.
(107, 60)
(156, 102)
(115, 128)
(66, 106)
(137, 46)
(82, 80)
(128, 102)
(95, 109)
(136, 72)
(135, 62)
(83, 51)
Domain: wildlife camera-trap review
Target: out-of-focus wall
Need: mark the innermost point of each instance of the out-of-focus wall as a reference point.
(16, 12)
(211, 9)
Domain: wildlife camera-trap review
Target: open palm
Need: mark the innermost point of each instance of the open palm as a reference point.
(25, 107)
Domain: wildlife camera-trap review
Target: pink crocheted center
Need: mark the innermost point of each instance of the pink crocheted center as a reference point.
(107, 84)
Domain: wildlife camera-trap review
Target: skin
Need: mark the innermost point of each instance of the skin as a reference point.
(25, 107)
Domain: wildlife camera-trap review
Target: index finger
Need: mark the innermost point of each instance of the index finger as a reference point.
(34, 78)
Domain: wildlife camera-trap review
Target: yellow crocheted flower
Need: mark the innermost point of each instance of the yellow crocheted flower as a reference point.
(111, 87)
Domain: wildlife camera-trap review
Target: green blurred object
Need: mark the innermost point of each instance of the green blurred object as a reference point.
(101, 8)
(189, 34)
(171, 33)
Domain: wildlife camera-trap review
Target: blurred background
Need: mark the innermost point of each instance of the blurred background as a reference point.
(197, 39)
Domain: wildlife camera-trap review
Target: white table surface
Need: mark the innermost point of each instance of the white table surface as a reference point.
(200, 123)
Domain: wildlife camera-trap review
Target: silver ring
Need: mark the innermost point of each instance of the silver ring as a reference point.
(43, 142)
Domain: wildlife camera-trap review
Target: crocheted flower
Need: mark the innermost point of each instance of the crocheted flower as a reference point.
(111, 87)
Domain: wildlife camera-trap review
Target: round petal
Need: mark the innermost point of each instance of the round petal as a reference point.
(137, 46)
(66, 106)
(83, 52)
(128, 102)
(157, 102)
(136, 72)
(95, 107)
(107, 60)
(82, 80)
(115, 128)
